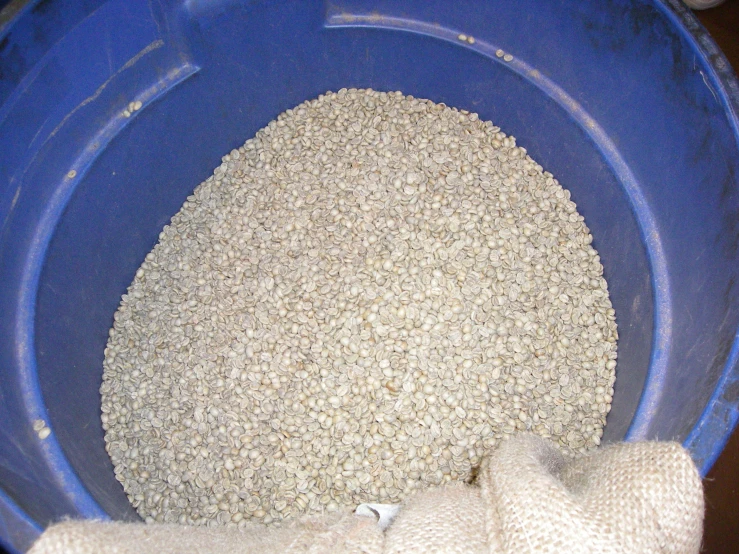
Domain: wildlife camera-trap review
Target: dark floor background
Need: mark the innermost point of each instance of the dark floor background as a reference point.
(722, 483)
(721, 534)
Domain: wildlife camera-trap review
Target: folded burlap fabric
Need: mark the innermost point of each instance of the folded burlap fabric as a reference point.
(529, 498)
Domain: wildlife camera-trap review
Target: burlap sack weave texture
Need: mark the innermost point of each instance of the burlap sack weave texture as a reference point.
(624, 498)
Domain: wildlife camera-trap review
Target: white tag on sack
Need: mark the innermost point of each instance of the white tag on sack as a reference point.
(385, 513)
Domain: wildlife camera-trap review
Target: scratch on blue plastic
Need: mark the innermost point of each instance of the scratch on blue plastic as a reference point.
(336, 17)
(33, 74)
(720, 72)
(721, 415)
(7, 108)
(129, 64)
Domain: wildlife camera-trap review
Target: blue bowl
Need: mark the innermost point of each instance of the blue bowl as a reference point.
(628, 102)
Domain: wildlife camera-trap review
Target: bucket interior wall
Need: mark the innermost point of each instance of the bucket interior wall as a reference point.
(606, 96)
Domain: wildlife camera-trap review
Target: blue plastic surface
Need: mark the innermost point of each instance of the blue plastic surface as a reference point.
(17, 530)
(628, 103)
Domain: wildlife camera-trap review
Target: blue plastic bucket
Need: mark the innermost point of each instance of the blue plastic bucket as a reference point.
(627, 102)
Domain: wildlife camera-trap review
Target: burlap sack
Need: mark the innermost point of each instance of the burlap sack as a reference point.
(624, 498)
(341, 533)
